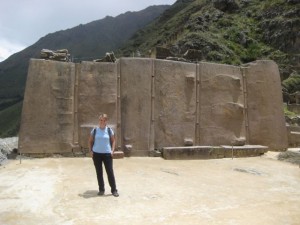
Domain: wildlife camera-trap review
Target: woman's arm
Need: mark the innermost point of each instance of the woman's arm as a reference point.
(91, 143)
(113, 144)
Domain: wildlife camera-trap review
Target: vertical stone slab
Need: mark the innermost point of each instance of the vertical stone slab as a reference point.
(47, 114)
(265, 105)
(221, 105)
(97, 90)
(136, 76)
(175, 103)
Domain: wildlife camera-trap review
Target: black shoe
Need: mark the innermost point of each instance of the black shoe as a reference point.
(101, 193)
(115, 193)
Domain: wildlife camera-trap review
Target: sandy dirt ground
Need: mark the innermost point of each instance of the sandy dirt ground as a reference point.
(259, 190)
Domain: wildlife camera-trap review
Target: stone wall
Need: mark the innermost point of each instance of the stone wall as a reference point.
(266, 125)
(294, 108)
(152, 104)
(47, 123)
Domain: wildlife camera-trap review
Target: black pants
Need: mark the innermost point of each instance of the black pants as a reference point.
(98, 158)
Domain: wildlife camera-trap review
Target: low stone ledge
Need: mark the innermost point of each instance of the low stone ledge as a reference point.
(155, 153)
(244, 151)
(193, 152)
(213, 152)
(294, 139)
(118, 155)
(73, 154)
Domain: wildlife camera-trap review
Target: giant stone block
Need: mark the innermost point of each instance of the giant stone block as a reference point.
(264, 105)
(97, 93)
(136, 75)
(175, 103)
(47, 114)
(221, 114)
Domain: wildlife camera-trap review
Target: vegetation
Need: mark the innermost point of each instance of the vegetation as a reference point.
(287, 112)
(10, 120)
(240, 33)
(292, 83)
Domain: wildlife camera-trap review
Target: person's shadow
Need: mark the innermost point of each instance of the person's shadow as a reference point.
(91, 194)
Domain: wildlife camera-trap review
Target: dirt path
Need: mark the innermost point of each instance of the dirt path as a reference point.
(250, 191)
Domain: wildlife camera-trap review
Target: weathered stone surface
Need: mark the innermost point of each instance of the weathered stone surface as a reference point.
(193, 152)
(58, 55)
(118, 155)
(244, 151)
(193, 55)
(175, 103)
(293, 136)
(188, 142)
(95, 93)
(265, 115)
(152, 104)
(48, 108)
(213, 152)
(221, 104)
(136, 84)
(109, 57)
(160, 53)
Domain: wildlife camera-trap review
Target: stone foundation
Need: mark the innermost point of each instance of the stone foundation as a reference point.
(213, 152)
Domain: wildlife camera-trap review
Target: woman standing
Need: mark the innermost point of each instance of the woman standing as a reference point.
(102, 145)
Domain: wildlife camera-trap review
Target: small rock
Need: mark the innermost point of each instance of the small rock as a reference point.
(226, 5)
(293, 1)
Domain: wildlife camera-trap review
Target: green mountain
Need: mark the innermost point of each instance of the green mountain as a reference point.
(84, 42)
(226, 31)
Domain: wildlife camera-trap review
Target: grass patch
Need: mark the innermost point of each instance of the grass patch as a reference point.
(287, 112)
(10, 120)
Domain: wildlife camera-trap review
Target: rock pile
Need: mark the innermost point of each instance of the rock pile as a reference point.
(291, 156)
(8, 149)
(109, 57)
(58, 55)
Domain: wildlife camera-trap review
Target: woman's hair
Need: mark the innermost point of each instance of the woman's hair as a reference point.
(104, 116)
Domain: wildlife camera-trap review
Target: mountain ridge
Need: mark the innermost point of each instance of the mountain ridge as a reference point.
(81, 41)
(84, 42)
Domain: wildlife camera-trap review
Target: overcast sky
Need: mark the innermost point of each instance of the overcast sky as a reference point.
(24, 22)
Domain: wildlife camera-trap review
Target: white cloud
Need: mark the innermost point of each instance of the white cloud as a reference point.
(8, 48)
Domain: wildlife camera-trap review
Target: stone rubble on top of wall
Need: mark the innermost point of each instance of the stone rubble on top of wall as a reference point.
(109, 57)
(58, 55)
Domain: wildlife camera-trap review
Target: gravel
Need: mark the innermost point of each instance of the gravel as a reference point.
(8, 148)
(291, 156)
